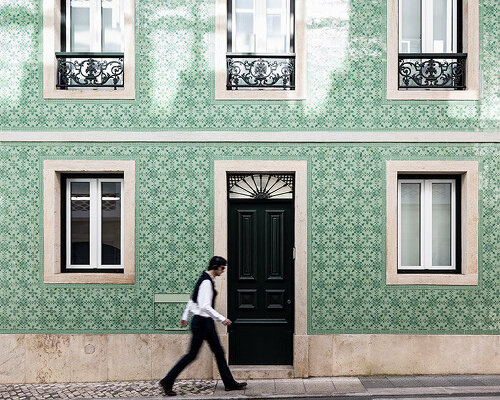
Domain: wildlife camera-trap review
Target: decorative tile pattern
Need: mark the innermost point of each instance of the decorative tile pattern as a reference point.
(168, 315)
(174, 228)
(175, 76)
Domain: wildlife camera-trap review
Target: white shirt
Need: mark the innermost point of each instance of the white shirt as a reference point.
(203, 307)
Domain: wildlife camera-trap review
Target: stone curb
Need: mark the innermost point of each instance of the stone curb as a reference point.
(466, 391)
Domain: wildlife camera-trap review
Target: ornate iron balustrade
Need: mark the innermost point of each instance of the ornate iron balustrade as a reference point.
(260, 71)
(432, 70)
(90, 70)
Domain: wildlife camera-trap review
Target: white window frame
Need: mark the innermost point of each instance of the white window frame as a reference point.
(95, 24)
(95, 223)
(470, 45)
(52, 44)
(426, 239)
(221, 93)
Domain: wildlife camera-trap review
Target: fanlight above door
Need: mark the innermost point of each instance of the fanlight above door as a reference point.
(260, 186)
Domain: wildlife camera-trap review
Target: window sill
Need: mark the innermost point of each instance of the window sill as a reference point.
(90, 94)
(432, 95)
(256, 94)
(96, 278)
(432, 279)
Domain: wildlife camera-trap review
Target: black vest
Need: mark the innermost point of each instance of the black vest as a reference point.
(203, 277)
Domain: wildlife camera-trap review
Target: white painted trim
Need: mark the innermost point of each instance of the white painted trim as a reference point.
(470, 46)
(425, 225)
(299, 167)
(51, 45)
(420, 182)
(95, 223)
(221, 93)
(242, 136)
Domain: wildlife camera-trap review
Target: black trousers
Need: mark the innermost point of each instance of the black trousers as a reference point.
(202, 329)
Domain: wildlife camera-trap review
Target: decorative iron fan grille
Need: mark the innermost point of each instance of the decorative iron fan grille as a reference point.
(260, 186)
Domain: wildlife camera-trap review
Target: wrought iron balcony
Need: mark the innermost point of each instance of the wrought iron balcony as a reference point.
(432, 70)
(89, 70)
(260, 71)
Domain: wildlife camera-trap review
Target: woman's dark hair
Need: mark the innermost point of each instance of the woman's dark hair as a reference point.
(216, 262)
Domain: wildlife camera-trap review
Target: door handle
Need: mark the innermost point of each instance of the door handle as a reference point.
(289, 301)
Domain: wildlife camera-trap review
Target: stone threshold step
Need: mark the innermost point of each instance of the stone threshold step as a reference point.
(243, 372)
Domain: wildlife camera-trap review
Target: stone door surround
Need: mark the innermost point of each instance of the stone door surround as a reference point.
(299, 167)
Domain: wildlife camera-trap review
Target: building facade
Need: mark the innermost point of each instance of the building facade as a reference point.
(344, 157)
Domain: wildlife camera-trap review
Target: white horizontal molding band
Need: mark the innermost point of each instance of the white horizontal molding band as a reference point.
(232, 136)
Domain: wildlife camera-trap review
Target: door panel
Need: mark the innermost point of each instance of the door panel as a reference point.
(274, 246)
(247, 236)
(260, 282)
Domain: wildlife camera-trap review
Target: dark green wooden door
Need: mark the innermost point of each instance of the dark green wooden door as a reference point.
(260, 282)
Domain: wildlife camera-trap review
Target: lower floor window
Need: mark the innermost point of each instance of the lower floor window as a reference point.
(92, 221)
(428, 223)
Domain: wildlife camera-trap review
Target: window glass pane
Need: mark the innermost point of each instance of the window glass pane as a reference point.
(111, 223)
(410, 40)
(441, 26)
(441, 224)
(276, 42)
(245, 38)
(80, 25)
(111, 25)
(80, 223)
(244, 4)
(274, 4)
(410, 224)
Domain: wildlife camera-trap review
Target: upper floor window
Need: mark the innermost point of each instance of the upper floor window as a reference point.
(94, 47)
(256, 49)
(430, 45)
(91, 43)
(92, 25)
(261, 26)
(432, 49)
(430, 26)
(260, 43)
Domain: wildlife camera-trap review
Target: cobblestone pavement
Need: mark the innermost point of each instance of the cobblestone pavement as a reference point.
(101, 390)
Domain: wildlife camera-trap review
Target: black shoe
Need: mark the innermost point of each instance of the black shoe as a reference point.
(236, 386)
(167, 389)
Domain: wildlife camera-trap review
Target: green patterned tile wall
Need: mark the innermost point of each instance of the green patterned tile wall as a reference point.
(174, 238)
(346, 43)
